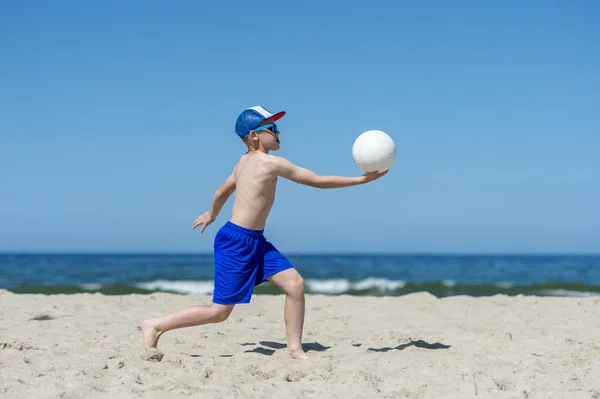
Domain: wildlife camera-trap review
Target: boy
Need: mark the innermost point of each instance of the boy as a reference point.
(243, 257)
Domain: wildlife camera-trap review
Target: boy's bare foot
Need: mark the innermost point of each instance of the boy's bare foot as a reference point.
(297, 354)
(151, 333)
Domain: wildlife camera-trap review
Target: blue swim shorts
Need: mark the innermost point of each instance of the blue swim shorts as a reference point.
(243, 259)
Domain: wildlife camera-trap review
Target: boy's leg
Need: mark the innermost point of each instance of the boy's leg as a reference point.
(293, 284)
(186, 317)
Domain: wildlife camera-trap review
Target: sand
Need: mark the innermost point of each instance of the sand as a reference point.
(415, 346)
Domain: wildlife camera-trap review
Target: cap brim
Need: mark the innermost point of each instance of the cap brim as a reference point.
(278, 115)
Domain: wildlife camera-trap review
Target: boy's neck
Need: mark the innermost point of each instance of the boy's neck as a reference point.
(259, 149)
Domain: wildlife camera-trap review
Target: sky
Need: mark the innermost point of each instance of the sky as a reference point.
(117, 122)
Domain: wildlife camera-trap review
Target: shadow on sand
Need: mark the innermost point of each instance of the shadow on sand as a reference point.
(314, 346)
(267, 348)
(418, 343)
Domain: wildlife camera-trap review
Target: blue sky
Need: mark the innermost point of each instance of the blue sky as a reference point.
(116, 122)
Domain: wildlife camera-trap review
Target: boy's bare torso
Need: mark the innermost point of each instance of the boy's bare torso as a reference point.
(255, 181)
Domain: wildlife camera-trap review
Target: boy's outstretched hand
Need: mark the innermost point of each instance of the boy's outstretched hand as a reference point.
(368, 177)
(205, 219)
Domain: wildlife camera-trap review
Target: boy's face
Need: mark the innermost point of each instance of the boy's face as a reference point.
(269, 135)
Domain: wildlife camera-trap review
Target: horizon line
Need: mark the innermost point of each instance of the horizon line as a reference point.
(310, 253)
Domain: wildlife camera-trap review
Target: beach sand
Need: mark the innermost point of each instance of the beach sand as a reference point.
(417, 346)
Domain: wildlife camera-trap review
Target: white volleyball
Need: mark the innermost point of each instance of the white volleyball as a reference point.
(373, 151)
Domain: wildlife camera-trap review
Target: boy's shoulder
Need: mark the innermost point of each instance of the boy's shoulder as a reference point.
(277, 158)
(277, 163)
(270, 160)
(272, 163)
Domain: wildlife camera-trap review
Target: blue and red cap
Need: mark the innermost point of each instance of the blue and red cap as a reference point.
(252, 117)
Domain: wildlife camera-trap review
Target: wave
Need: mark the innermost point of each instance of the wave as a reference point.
(181, 287)
(331, 287)
(562, 292)
(341, 286)
(370, 286)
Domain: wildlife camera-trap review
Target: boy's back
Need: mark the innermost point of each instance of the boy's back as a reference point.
(255, 185)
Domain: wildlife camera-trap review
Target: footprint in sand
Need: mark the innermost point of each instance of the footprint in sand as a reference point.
(152, 355)
(294, 377)
(257, 373)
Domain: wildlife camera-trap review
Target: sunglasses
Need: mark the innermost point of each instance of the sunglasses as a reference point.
(272, 127)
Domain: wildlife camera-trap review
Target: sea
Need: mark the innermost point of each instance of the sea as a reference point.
(326, 274)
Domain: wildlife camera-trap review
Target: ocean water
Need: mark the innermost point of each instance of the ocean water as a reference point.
(330, 274)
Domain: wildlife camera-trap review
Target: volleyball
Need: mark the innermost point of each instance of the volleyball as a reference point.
(374, 150)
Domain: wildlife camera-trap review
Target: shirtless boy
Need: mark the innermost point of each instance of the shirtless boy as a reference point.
(243, 256)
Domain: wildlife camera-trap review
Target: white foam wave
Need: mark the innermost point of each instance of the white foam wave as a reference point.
(328, 286)
(561, 292)
(338, 286)
(333, 286)
(379, 283)
(182, 287)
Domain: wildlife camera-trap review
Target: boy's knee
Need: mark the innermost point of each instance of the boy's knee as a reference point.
(222, 314)
(296, 286)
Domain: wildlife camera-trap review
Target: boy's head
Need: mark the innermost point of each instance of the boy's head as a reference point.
(256, 126)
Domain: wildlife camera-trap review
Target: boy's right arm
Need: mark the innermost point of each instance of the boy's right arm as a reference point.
(288, 170)
(221, 196)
